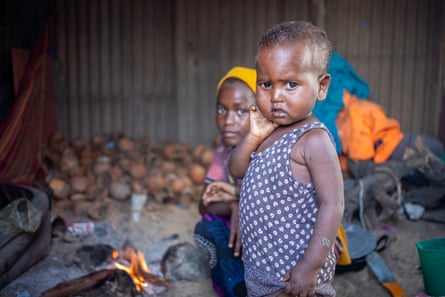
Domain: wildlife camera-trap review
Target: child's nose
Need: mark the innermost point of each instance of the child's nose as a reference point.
(275, 95)
(230, 118)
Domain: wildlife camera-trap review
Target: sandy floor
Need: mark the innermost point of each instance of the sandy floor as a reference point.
(163, 225)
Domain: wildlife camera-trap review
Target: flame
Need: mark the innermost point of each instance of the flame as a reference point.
(115, 254)
(138, 269)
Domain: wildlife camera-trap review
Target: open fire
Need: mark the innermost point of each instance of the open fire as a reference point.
(137, 268)
(128, 273)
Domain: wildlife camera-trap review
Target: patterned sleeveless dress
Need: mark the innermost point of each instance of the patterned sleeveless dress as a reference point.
(277, 218)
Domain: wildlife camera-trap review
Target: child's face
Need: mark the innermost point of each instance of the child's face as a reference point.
(232, 111)
(287, 88)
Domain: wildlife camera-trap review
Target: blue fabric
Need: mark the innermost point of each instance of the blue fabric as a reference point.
(343, 77)
(212, 237)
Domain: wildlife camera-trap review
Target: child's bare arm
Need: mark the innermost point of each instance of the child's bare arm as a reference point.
(240, 156)
(323, 165)
(260, 128)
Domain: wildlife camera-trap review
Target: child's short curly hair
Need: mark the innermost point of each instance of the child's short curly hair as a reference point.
(300, 32)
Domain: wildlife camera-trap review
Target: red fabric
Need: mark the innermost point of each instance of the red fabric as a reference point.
(25, 131)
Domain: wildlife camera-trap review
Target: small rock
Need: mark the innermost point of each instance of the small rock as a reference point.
(184, 261)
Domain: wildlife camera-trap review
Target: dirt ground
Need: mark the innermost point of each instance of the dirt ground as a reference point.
(161, 226)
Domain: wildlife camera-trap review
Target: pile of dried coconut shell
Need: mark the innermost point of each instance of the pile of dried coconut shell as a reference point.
(84, 174)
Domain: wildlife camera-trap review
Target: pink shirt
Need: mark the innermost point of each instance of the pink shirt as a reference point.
(219, 169)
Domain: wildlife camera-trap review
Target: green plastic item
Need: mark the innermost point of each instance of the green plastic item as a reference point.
(432, 260)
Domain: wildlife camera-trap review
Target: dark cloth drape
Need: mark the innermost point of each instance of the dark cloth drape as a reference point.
(26, 129)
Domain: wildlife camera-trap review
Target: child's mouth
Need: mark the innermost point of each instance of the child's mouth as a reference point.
(278, 113)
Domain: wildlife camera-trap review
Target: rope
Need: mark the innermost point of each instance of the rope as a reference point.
(399, 197)
(388, 171)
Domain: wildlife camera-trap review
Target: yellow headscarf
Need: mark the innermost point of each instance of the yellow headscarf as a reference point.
(247, 75)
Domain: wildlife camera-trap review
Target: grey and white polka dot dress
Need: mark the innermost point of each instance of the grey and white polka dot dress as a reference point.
(277, 217)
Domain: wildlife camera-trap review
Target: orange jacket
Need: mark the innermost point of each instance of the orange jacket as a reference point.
(365, 131)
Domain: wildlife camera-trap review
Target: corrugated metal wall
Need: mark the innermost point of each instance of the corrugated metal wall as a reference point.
(398, 48)
(149, 68)
(117, 68)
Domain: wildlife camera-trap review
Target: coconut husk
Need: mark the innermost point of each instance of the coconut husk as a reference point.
(126, 145)
(80, 183)
(57, 143)
(78, 196)
(69, 162)
(137, 169)
(197, 173)
(102, 165)
(87, 157)
(78, 145)
(61, 189)
(207, 156)
(98, 143)
(120, 190)
(180, 183)
(155, 182)
(138, 187)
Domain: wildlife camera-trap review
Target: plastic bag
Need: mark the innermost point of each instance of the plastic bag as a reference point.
(18, 216)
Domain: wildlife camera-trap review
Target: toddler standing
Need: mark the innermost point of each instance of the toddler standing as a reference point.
(292, 199)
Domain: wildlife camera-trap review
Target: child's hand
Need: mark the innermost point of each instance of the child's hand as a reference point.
(235, 233)
(260, 126)
(219, 192)
(301, 281)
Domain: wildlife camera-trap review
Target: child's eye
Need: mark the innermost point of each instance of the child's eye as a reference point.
(265, 85)
(292, 85)
(241, 112)
(221, 110)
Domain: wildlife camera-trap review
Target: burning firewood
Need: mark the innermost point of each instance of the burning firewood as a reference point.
(138, 269)
(129, 261)
(79, 285)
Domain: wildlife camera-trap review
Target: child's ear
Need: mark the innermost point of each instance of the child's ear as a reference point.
(323, 85)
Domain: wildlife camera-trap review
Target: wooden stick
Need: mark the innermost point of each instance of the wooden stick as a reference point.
(78, 285)
(155, 279)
